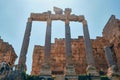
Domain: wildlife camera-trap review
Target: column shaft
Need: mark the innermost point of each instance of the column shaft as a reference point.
(109, 56)
(24, 48)
(88, 46)
(48, 41)
(68, 39)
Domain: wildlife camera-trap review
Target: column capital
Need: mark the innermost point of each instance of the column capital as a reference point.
(84, 22)
(81, 18)
(66, 21)
(67, 11)
(49, 21)
(29, 19)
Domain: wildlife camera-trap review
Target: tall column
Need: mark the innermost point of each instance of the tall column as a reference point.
(91, 69)
(48, 40)
(25, 44)
(67, 38)
(88, 47)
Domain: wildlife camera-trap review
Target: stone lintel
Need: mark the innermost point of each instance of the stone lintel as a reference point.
(62, 17)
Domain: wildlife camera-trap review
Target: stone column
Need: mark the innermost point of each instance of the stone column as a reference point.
(48, 41)
(46, 67)
(25, 44)
(67, 39)
(88, 48)
(109, 57)
(70, 69)
(113, 71)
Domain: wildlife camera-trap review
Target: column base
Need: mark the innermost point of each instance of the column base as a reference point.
(112, 73)
(45, 69)
(70, 69)
(91, 70)
(59, 77)
(21, 67)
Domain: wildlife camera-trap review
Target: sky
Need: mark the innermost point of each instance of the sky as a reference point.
(14, 14)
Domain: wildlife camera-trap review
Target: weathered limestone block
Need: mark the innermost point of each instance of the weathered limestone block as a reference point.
(78, 51)
(7, 53)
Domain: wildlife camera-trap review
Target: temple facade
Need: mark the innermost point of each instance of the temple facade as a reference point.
(58, 59)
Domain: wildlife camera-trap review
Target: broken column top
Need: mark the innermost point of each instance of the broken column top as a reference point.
(58, 10)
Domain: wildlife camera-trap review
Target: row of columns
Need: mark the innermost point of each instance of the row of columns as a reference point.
(26, 39)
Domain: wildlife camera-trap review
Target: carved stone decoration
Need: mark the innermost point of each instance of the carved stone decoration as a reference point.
(67, 11)
(58, 10)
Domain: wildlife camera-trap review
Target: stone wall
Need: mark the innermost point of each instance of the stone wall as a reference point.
(58, 56)
(7, 53)
(111, 32)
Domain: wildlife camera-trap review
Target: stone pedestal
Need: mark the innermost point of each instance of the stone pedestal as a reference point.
(59, 77)
(70, 69)
(91, 70)
(72, 77)
(45, 69)
(112, 73)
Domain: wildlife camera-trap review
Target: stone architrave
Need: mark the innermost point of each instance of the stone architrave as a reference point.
(88, 48)
(25, 44)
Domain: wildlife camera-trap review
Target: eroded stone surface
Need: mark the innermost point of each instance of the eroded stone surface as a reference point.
(111, 36)
(58, 56)
(7, 53)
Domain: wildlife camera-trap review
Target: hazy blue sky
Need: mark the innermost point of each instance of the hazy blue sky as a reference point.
(14, 14)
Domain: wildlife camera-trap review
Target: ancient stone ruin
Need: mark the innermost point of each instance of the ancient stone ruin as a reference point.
(72, 56)
(7, 53)
(105, 51)
(67, 57)
(66, 66)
